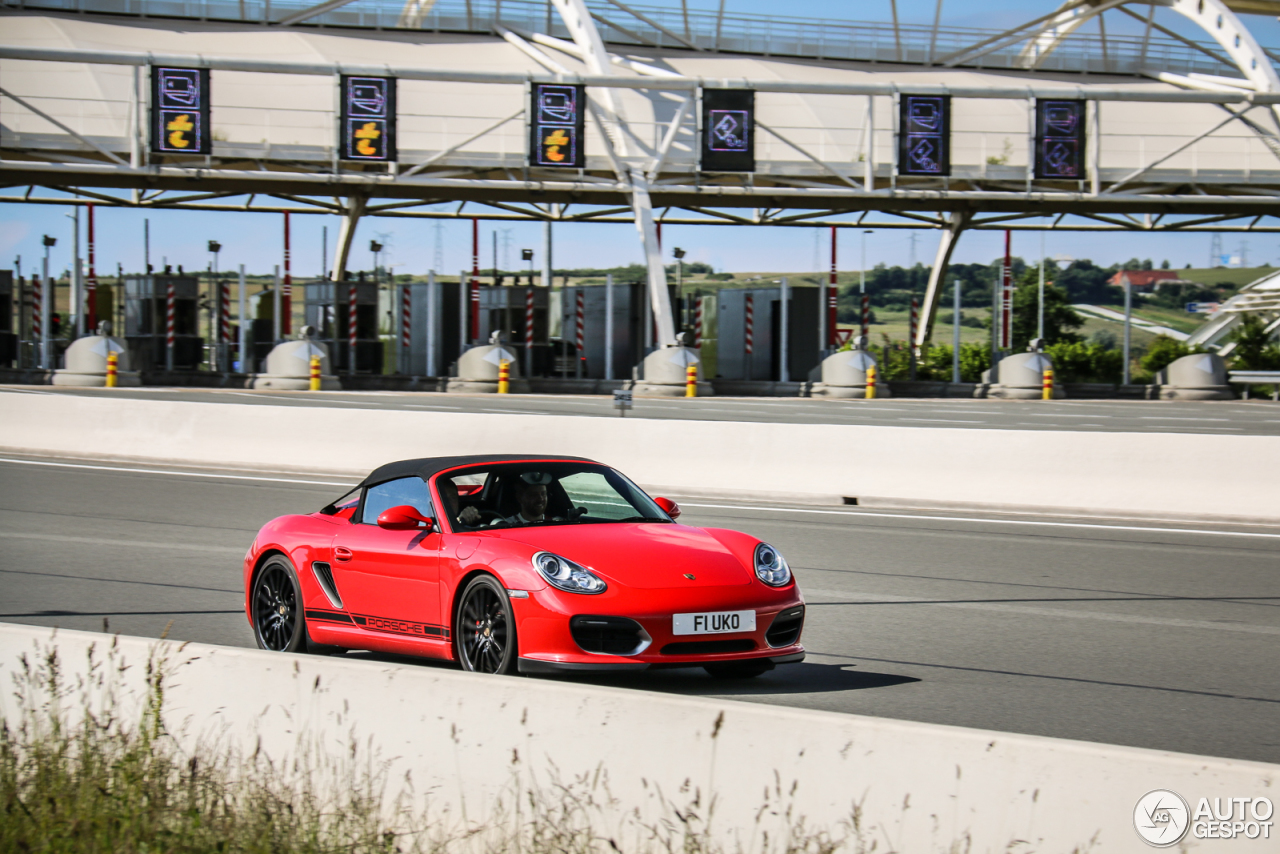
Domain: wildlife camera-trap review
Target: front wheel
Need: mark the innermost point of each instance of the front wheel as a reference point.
(484, 628)
(277, 608)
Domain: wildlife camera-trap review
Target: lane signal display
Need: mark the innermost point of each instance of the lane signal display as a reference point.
(368, 120)
(1060, 140)
(557, 134)
(180, 111)
(728, 130)
(924, 141)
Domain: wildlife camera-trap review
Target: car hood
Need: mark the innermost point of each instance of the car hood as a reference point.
(644, 555)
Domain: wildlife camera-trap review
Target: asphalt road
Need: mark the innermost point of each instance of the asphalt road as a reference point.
(1227, 418)
(1146, 635)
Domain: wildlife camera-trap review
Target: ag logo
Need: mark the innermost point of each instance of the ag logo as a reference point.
(1161, 818)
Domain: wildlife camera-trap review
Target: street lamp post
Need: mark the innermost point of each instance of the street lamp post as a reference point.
(679, 254)
(215, 308)
(47, 301)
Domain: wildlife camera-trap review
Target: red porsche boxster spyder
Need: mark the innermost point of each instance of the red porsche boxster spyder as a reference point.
(520, 563)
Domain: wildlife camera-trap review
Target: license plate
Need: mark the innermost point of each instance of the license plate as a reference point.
(713, 623)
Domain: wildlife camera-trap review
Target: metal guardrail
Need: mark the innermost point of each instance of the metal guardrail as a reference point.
(670, 27)
(1259, 377)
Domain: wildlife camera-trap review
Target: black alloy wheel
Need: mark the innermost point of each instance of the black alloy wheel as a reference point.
(485, 630)
(277, 608)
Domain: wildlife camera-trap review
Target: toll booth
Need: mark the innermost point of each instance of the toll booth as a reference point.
(8, 325)
(145, 326)
(764, 362)
(327, 307)
(629, 313)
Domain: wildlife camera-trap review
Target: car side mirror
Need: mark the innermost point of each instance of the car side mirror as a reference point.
(405, 518)
(669, 507)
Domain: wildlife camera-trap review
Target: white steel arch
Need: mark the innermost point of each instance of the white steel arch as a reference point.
(1212, 16)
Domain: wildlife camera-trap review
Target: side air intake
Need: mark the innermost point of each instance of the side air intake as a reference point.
(324, 575)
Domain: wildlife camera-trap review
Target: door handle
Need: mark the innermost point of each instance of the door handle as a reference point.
(343, 553)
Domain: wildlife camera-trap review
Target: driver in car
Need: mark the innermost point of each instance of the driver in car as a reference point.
(469, 517)
(531, 495)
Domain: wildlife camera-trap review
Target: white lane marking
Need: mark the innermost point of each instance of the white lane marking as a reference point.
(139, 544)
(430, 406)
(877, 515)
(305, 400)
(943, 420)
(178, 473)
(1054, 612)
(1177, 418)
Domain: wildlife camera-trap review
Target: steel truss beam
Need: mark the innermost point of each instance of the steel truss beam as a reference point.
(705, 216)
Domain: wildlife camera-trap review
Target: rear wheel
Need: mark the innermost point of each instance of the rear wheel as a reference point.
(738, 669)
(278, 623)
(484, 628)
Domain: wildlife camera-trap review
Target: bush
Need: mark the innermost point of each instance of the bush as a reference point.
(1254, 350)
(1164, 350)
(1085, 362)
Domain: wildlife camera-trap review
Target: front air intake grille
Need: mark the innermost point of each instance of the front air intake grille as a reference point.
(785, 628)
(324, 576)
(709, 647)
(608, 635)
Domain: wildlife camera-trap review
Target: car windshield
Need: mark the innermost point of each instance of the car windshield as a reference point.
(550, 493)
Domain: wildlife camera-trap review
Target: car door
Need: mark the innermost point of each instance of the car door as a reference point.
(389, 581)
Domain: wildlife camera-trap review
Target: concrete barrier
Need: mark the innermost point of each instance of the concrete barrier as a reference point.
(469, 740)
(1120, 474)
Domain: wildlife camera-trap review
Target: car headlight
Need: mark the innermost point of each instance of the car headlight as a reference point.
(771, 566)
(566, 575)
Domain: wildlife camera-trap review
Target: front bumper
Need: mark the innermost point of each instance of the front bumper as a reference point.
(548, 645)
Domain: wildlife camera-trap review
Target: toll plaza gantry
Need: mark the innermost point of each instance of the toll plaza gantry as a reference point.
(513, 116)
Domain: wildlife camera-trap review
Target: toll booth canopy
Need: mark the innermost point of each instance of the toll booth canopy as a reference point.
(145, 321)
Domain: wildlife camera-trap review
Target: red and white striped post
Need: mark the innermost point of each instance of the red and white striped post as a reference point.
(286, 286)
(224, 324)
(170, 334)
(37, 311)
(697, 323)
(579, 326)
(748, 332)
(528, 331)
(866, 315)
(91, 283)
(406, 327)
(351, 328)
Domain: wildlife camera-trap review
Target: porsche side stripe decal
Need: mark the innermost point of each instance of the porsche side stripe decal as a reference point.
(328, 616)
(380, 624)
(399, 627)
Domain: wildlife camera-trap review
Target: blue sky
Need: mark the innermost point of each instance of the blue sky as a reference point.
(255, 239)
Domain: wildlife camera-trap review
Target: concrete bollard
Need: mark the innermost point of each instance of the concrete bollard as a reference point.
(691, 381)
(113, 369)
(871, 382)
(315, 373)
(1046, 392)
(504, 376)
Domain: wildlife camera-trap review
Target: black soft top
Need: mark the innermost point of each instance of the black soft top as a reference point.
(429, 466)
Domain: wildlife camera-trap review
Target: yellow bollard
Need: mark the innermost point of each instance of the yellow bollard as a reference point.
(315, 373)
(1047, 394)
(504, 376)
(691, 381)
(871, 382)
(113, 368)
